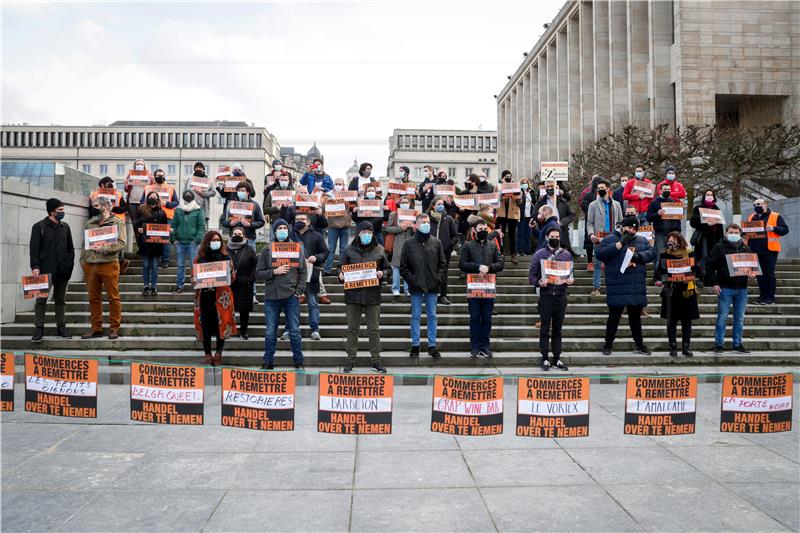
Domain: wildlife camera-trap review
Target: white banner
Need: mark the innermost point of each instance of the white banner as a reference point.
(56, 386)
(258, 401)
(166, 395)
(355, 405)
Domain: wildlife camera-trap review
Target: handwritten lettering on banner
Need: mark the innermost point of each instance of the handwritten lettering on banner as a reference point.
(660, 405)
(36, 286)
(481, 285)
(355, 404)
(6, 381)
(257, 399)
(553, 407)
(335, 209)
(360, 275)
(467, 406)
(164, 394)
(556, 272)
(213, 274)
(757, 404)
(61, 386)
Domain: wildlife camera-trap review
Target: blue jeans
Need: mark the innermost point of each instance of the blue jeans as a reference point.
(737, 297)
(335, 235)
(480, 323)
(185, 253)
(150, 270)
(524, 236)
(291, 312)
(416, 315)
(597, 274)
(396, 280)
(165, 254)
(313, 311)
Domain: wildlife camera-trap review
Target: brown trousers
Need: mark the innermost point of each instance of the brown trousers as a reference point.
(99, 276)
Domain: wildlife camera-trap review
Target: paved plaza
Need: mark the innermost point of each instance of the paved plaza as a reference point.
(110, 474)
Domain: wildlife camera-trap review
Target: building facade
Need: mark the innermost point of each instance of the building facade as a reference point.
(602, 65)
(171, 146)
(458, 152)
(297, 163)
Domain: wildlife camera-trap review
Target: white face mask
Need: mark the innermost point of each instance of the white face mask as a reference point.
(370, 195)
(338, 187)
(427, 174)
(483, 178)
(278, 167)
(639, 174)
(283, 184)
(138, 167)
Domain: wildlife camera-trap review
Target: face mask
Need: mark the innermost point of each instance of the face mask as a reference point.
(106, 185)
(630, 214)
(427, 174)
(623, 184)
(709, 199)
(282, 234)
(370, 195)
(238, 173)
(665, 194)
(550, 192)
(365, 238)
(283, 184)
(404, 206)
(138, 167)
(338, 187)
(237, 238)
(524, 186)
(199, 173)
(467, 184)
(553, 243)
(402, 174)
(367, 173)
(159, 179)
(482, 234)
(758, 209)
(734, 237)
(152, 202)
(60, 215)
(425, 228)
(188, 198)
(672, 245)
(241, 195)
(319, 170)
(482, 178)
(299, 226)
(278, 167)
(508, 180)
(601, 192)
(639, 175)
(439, 208)
(670, 176)
(215, 245)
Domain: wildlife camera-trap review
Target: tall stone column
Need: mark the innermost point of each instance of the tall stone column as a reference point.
(544, 117)
(527, 125)
(574, 93)
(563, 96)
(534, 119)
(586, 64)
(552, 100)
(638, 57)
(618, 64)
(602, 104)
(501, 132)
(662, 101)
(512, 162)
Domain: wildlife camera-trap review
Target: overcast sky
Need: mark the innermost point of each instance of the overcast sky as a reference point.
(342, 73)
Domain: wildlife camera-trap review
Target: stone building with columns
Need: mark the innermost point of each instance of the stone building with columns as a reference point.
(601, 65)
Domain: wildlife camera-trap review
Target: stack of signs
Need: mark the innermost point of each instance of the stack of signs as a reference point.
(370, 208)
(360, 275)
(753, 229)
(156, 233)
(213, 274)
(226, 179)
(646, 231)
(355, 404)
(347, 196)
(163, 394)
(254, 399)
(556, 272)
(465, 201)
(511, 187)
(138, 180)
(711, 216)
(6, 381)
(743, 264)
(199, 184)
(672, 211)
(467, 406)
(98, 237)
(756, 404)
(444, 190)
(481, 285)
(407, 215)
(680, 269)
(660, 405)
(489, 198)
(61, 386)
(644, 187)
(553, 407)
(554, 170)
(285, 253)
(280, 197)
(238, 211)
(335, 208)
(306, 203)
(36, 286)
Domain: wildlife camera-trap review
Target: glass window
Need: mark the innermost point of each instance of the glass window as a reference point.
(185, 140)
(87, 168)
(120, 170)
(237, 141)
(472, 143)
(208, 141)
(468, 171)
(258, 140)
(127, 140)
(172, 170)
(215, 140)
(451, 172)
(230, 140)
(193, 140)
(458, 143)
(486, 171)
(187, 169)
(154, 167)
(141, 140)
(104, 169)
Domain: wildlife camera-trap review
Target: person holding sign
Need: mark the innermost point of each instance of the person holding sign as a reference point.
(708, 231)
(105, 187)
(663, 220)
(237, 173)
(214, 306)
(52, 252)
(602, 216)
(508, 215)
(149, 226)
(560, 209)
(767, 249)
(105, 236)
(544, 222)
(402, 229)
(138, 178)
(625, 256)
(316, 253)
(526, 213)
(188, 227)
(422, 265)
(282, 268)
(551, 272)
(365, 262)
(676, 269)
(202, 188)
(315, 178)
(247, 214)
(444, 228)
(639, 193)
(244, 262)
(374, 217)
(731, 289)
(169, 201)
(338, 212)
(480, 255)
(275, 208)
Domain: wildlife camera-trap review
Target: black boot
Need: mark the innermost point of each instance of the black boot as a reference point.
(63, 332)
(686, 351)
(673, 349)
(414, 353)
(38, 333)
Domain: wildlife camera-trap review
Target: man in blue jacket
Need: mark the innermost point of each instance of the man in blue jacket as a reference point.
(545, 221)
(316, 177)
(626, 287)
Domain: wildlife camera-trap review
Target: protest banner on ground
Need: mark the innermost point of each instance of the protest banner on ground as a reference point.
(61, 386)
(467, 406)
(355, 404)
(6, 381)
(660, 405)
(165, 394)
(257, 399)
(757, 404)
(553, 407)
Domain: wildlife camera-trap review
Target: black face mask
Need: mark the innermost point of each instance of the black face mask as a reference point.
(550, 192)
(665, 194)
(601, 192)
(237, 238)
(159, 179)
(508, 180)
(554, 243)
(199, 173)
(482, 234)
(188, 198)
(152, 202)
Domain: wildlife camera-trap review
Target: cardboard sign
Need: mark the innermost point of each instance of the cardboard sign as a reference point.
(98, 237)
(401, 189)
(138, 180)
(156, 233)
(489, 198)
(444, 190)
(335, 209)
(743, 264)
(360, 275)
(306, 202)
(660, 405)
(279, 196)
(213, 274)
(6, 381)
(711, 216)
(680, 269)
(238, 211)
(672, 211)
(347, 196)
(756, 404)
(370, 208)
(285, 253)
(199, 184)
(355, 404)
(481, 286)
(509, 188)
(106, 193)
(753, 229)
(164, 394)
(553, 407)
(465, 201)
(61, 386)
(646, 231)
(407, 215)
(644, 187)
(556, 272)
(163, 191)
(256, 399)
(226, 180)
(554, 170)
(467, 406)
(36, 286)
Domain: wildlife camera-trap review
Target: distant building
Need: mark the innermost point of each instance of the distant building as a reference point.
(352, 172)
(298, 163)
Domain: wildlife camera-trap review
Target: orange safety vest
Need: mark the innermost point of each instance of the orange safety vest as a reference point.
(169, 211)
(773, 239)
(117, 199)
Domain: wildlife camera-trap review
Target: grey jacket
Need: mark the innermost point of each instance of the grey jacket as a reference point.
(401, 236)
(595, 216)
(280, 287)
(203, 198)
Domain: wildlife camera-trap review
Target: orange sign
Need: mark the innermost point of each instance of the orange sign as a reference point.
(660, 405)
(98, 237)
(756, 404)
(36, 286)
(360, 275)
(6, 381)
(213, 274)
(680, 269)
(306, 203)
(743, 264)
(164, 394)
(355, 404)
(156, 233)
(285, 253)
(256, 399)
(61, 386)
(467, 406)
(553, 407)
(481, 285)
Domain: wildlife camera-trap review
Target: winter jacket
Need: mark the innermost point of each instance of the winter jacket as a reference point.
(629, 287)
(677, 300)
(676, 189)
(400, 237)
(203, 197)
(509, 207)
(565, 214)
(596, 216)
(188, 227)
(535, 271)
(759, 246)
(357, 253)
(310, 180)
(544, 229)
(249, 231)
(617, 195)
(661, 226)
(717, 272)
(338, 222)
(709, 234)
(475, 253)
(274, 213)
(314, 244)
(281, 286)
(633, 199)
(423, 264)
(446, 230)
(245, 262)
(51, 249)
(149, 248)
(106, 254)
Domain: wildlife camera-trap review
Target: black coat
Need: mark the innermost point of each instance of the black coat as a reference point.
(423, 264)
(446, 231)
(244, 264)
(629, 287)
(356, 253)
(149, 248)
(51, 249)
(709, 235)
(315, 245)
(475, 253)
(565, 214)
(661, 226)
(717, 272)
(677, 301)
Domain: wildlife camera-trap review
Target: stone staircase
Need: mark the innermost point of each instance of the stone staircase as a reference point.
(161, 328)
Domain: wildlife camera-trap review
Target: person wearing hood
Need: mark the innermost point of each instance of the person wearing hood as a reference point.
(678, 298)
(202, 194)
(767, 248)
(250, 225)
(150, 212)
(244, 265)
(423, 265)
(316, 178)
(338, 226)
(705, 236)
(188, 227)
(285, 210)
(731, 290)
(364, 301)
(626, 288)
(283, 286)
(484, 187)
(444, 228)
(402, 231)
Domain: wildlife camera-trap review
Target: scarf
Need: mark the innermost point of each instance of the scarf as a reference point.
(436, 216)
(236, 245)
(191, 206)
(683, 253)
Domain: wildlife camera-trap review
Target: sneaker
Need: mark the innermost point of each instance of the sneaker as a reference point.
(740, 349)
(145, 291)
(266, 366)
(642, 350)
(38, 333)
(659, 284)
(284, 337)
(757, 302)
(113, 335)
(178, 290)
(324, 299)
(396, 293)
(153, 291)
(347, 368)
(442, 300)
(687, 351)
(378, 367)
(315, 336)
(300, 367)
(164, 264)
(92, 335)
(595, 292)
(645, 314)
(244, 336)
(474, 353)
(414, 353)
(770, 301)
(433, 352)
(560, 365)
(606, 349)
(486, 351)
(544, 365)
(717, 349)
(63, 332)
(589, 267)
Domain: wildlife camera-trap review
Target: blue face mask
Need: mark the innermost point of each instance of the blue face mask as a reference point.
(425, 228)
(215, 245)
(734, 237)
(670, 176)
(440, 208)
(242, 195)
(282, 234)
(366, 238)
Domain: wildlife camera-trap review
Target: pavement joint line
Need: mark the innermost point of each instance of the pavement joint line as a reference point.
(762, 445)
(213, 511)
(475, 483)
(353, 486)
